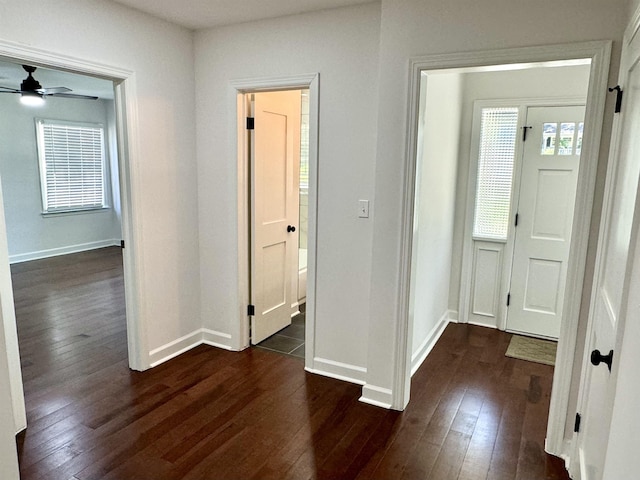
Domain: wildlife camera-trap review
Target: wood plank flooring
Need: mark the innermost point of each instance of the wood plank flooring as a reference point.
(212, 414)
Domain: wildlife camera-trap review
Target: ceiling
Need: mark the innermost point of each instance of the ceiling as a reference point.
(12, 74)
(196, 14)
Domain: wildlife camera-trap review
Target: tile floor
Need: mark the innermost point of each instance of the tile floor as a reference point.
(289, 340)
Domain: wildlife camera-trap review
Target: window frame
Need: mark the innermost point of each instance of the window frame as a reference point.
(40, 123)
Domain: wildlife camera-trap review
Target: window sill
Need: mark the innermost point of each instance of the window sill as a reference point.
(65, 213)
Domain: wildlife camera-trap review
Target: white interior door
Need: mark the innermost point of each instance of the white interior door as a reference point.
(610, 291)
(550, 163)
(275, 162)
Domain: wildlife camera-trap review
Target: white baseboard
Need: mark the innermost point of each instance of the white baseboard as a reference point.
(377, 396)
(338, 370)
(216, 339)
(429, 342)
(55, 252)
(198, 337)
(453, 316)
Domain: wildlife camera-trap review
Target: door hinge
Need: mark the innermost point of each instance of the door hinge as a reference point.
(576, 425)
(121, 243)
(250, 123)
(251, 310)
(618, 97)
(524, 132)
(516, 221)
(508, 299)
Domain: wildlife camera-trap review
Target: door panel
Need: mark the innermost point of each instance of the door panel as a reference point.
(275, 164)
(610, 291)
(548, 185)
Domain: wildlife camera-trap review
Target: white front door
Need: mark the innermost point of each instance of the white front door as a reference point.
(610, 290)
(550, 163)
(275, 163)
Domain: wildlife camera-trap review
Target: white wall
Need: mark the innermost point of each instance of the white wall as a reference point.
(30, 234)
(435, 208)
(423, 27)
(164, 173)
(341, 45)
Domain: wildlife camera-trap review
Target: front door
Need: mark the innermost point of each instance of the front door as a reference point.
(610, 290)
(275, 163)
(550, 163)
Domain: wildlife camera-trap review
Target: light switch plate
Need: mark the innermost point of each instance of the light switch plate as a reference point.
(363, 208)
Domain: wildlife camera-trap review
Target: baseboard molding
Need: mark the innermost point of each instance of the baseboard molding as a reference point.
(338, 370)
(55, 252)
(216, 339)
(377, 396)
(429, 342)
(453, 316)
(183, 344)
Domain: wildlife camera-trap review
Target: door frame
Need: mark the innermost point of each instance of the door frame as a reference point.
(599, 52)
(240, 332)
(509, 245)
(125, 100)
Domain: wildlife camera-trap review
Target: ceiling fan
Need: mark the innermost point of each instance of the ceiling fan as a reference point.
(32, 92)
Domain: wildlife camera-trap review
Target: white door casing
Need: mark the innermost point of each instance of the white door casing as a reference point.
(550, 164)
(610, 292)
(275, 158)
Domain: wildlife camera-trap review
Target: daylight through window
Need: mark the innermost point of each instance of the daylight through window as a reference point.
(495, 170)
(72, 166)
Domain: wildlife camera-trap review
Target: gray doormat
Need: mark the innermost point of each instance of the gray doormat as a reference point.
(532, 349)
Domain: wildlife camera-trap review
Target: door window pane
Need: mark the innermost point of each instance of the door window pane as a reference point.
(567, 131)
(579, 139)
(549, 131)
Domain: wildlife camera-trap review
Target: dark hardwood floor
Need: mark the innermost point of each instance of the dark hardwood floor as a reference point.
(212, 414)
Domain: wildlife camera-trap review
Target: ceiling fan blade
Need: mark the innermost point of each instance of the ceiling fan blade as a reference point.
(54, 90)
(8, 90)
(71, 95)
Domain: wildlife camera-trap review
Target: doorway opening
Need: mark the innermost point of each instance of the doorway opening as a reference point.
(438, 226)
(111, 193)
(277, 159)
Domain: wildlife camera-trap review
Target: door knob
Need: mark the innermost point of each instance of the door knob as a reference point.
(291, 228)
(597, 358)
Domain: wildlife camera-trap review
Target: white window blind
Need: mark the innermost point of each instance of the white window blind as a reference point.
(495, 170)
(72, 166)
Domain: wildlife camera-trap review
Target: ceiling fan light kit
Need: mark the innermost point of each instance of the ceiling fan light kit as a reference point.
(32, 93)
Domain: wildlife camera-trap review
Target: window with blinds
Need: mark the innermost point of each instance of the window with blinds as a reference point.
(72, 166)
(498, 129)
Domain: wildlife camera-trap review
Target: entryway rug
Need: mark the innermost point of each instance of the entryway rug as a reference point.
(532, 349)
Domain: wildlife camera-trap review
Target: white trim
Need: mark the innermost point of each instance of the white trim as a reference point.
(176, 347)
(55, 252)
(429, 342)
(377, 396)
(126, 114)
(240, 334)
(338, 370)
(216, 339)
(599, 52)
(201, 336)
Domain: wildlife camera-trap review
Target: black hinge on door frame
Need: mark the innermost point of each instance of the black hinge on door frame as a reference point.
(576, 425)
(121, 243)
(524, 132)
(251, 310)
(508, 299)
(516, 221)
(250, 123)
(618, 97)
